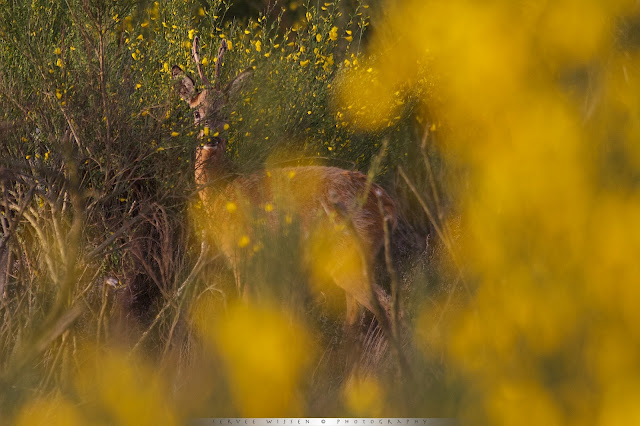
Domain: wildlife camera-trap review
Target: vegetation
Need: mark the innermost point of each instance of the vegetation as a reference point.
(504, 131)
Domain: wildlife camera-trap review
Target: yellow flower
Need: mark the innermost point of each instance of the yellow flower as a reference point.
(191, 34)
(174, 134)
(206, 130)
(226, 126)
(59, 63)
(58, 94)
(258, 45)
(144, 24)
(333, 34)
(318, 38)
(244, 241)
(57, 51)
(304, 63)
(205, 61)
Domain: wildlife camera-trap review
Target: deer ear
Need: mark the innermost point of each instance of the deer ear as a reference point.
(236, 84)
(185, 86)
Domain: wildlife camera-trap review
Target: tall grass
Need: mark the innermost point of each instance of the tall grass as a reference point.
(112, 309)
(504, 131)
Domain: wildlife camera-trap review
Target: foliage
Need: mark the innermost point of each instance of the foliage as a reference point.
(503, 130)
(537, 102)
(103, 277)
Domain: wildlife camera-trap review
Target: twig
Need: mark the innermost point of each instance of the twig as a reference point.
(194, 272)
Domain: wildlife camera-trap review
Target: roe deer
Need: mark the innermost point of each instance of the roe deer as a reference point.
(323, 199)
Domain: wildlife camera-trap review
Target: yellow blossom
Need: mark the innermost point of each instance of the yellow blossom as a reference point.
(244, 241)
(333, 34)
(258, 45)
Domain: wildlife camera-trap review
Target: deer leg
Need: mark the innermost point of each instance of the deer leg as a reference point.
(353, 309)
(243, 291)
(360, 291)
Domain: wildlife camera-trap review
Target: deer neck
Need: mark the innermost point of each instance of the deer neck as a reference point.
(213, 169)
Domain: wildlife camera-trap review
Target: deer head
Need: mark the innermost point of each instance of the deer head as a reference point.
(207, 105)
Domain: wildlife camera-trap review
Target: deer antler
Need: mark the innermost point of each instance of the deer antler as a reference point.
(196, 59)
(221, 51)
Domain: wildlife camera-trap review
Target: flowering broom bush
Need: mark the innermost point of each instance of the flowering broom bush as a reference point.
(503, 130)
(108, 302)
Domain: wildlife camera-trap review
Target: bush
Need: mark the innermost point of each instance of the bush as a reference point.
(103, 276)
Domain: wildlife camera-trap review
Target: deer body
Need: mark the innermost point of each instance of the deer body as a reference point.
(338, 207)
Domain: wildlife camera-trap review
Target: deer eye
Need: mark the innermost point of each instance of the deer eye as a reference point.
(197, 115)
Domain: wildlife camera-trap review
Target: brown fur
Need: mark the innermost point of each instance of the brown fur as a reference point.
(322, 199)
